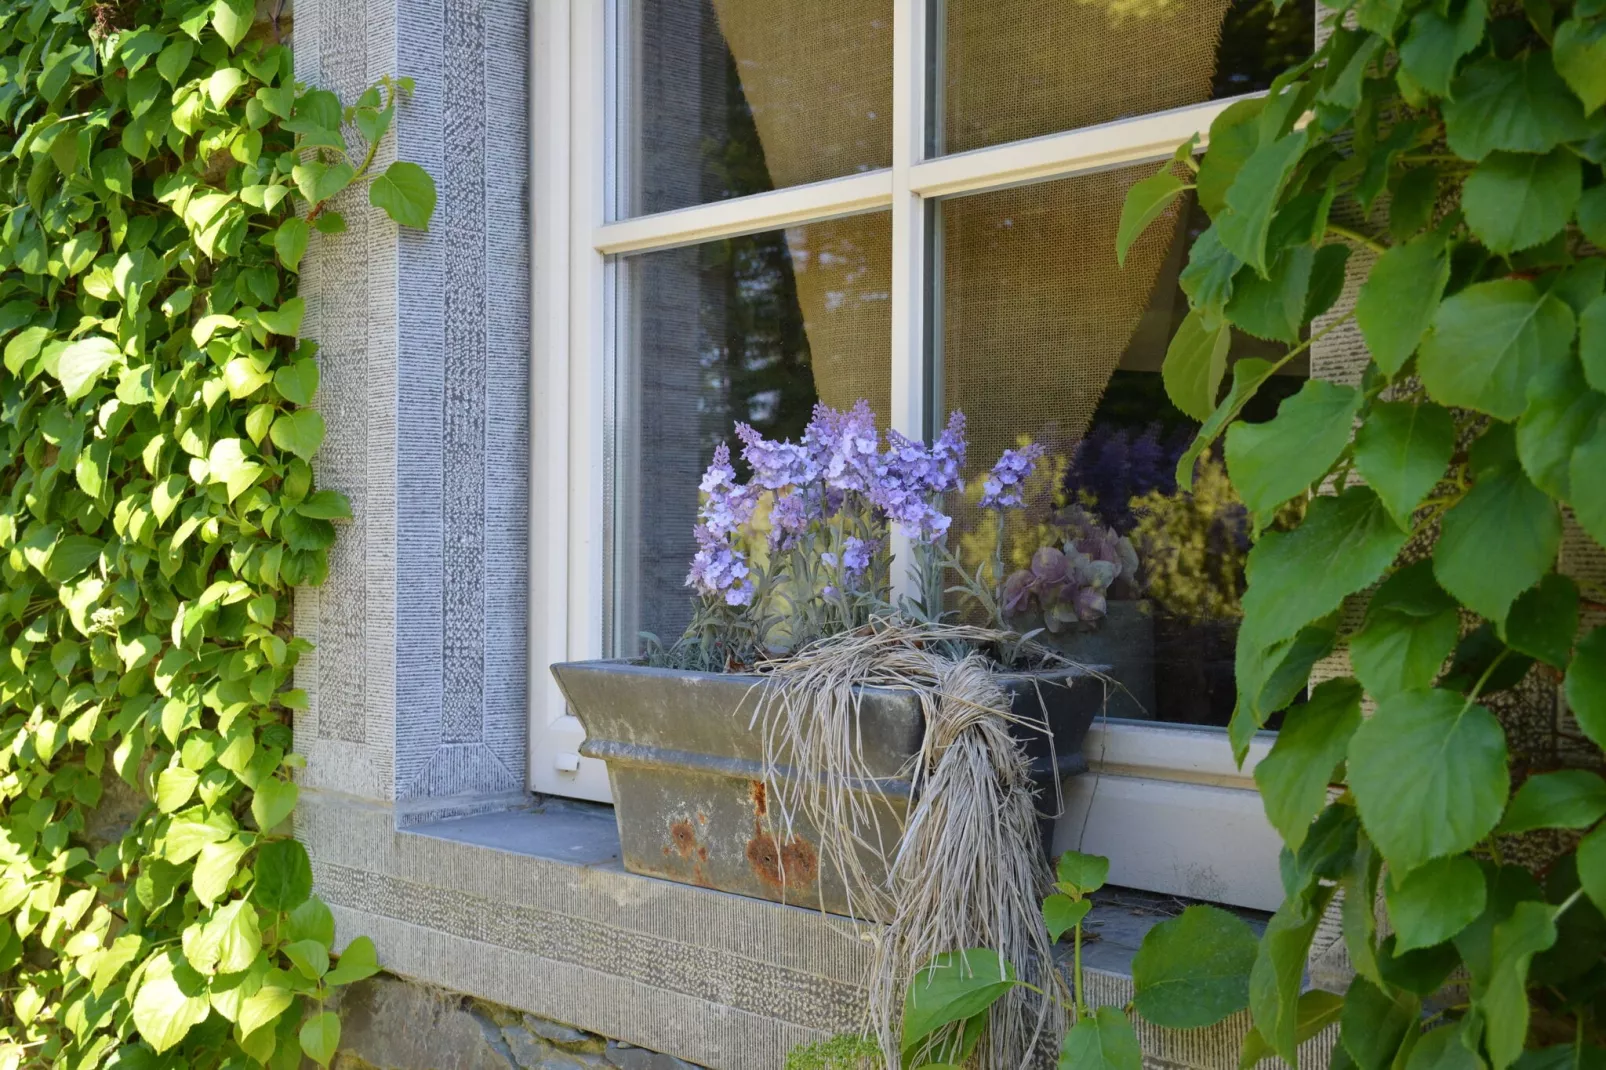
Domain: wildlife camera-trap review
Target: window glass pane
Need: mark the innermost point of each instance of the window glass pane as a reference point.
(755, 328)
(722, 98)
(1043, 335)
(1022, 68)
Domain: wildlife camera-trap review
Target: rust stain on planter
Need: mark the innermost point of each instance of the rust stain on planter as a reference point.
(790, 865)
(760, 801)
(684, 837)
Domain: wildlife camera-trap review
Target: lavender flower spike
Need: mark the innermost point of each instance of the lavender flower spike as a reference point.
(720, 572)
(776, 464)
(727, 506)
(1005, 484)
(843, 445)
(948, 455)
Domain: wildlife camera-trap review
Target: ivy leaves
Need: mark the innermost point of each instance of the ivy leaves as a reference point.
(157, 507)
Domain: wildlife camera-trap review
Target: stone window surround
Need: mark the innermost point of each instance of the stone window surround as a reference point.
(414, 803)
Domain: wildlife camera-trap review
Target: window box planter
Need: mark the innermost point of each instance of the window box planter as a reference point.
(687, 771)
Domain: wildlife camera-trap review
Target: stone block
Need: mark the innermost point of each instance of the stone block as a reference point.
(628, 1058)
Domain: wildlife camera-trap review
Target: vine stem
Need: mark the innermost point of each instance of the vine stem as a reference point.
(1356, 236)
(1081, 1004)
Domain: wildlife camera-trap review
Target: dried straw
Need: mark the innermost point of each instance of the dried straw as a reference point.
(969, 870)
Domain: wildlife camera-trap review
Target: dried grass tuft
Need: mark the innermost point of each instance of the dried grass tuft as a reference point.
(969, 870)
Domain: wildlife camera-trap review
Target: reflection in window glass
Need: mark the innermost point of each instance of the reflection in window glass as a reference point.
(1044, 336)
(755, 328)
(730, 97)
(1022, 68)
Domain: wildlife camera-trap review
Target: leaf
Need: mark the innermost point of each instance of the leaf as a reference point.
(357, 962)
(1194, 364)
(232, 19)
(174, 788)
(1193, 970)
(1580, 53)
(325, 505)
(312, 921)
(1428, 771)
(1517, 200)
(1398, 301)
(1274, 307)
(310, 958)
(1592, 221)
(1234, 136)
(272, 802)
(283, 876)
(1592, 866)
(1403, 450)
(1489, 340)
(1293, 778)
(1497, 541)
(320, 1036)
(301, 432)
(1586, 483)
(1444, 1049)
(215, 867)
(1061, 914)
(1345, 543)
(83, 362)
(1437, 41)
(298, 382)
(227, 464)
(1103, 1040)
(1562, 412)
(1272, 462)
(1144, 203)
(318, 181)
(1434, 901)
(1280, 1013)
(1327, 276)
(1373, 1024)
(1254, 196)
(1207, 278)
(71, 555)
(1315, 1011)
(1512, 105)
(1544, 619)
(1503, 996)
(1084, 872)
(406, 193)
(1569, 799)
(1411, 627)
(951, 988)
(171, 1000)
(223, 84)
(287, 319)
(1247, 376)
(290, 242)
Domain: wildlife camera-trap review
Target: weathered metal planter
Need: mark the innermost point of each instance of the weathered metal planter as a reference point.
(687, 771)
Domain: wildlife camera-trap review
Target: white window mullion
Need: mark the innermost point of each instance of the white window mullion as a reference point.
(909, 238)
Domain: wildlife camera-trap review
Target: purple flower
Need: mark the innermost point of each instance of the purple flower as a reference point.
(789, 516)
(1004, 486)
(948, 455)
(720, 571)
(843, 446)
(727, 505)
(856, 556)
(776, 464)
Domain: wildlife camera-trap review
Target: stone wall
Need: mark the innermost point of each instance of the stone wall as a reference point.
(392, 1024)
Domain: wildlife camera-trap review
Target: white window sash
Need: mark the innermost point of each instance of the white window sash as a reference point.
(1184, 775)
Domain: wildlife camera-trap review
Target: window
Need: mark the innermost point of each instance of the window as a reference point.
(745, 206)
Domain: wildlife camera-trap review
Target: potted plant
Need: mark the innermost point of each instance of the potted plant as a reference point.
(796, 556)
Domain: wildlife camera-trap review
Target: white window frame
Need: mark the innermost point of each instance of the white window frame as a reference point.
(1197, 809)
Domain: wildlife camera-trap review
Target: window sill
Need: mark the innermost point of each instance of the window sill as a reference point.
(533, 909)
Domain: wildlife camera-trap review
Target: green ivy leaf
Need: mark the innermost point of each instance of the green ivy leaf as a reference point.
(265, 1006)
(1544, 619)
(1194, 365)
(223, 84)
(1428, 771)
(1293, 778)
(1592, 340)
(1373, 1023)
(1562, 411)
(1345, 543)
(1497, 541)
(228, 464)
(171, 1000)
(290, 242)
(1082, 873)
(318, 181)
(1234, 136)
(232, 19)
(311, 920)
(301, 432)
(1314, 1011)
(1061, 913)
(951, 988)
(1399, 299)
(1586, 685)
(1592, 866)
(1580, 53)
(1275, 981)
(283, 876)
(1437, 41)
(1274, 307)
(1207, 278)
(174, 788)
(1434, 901)
(1503, 996)
(1512, 105)
(1144, 203)
(1255, 193)
(406, 192)
(215, 868)
(273, 801)
(174, 60)
(1271, 462)
(1402, 451)
(1489, 341)
(325, 505)
(1592, 221)
(287, 319)
(1103, 1040)
(320, 1036)
(83, 363)
(357, 962)
(310, 958)
(1587, 489)
(1193, 969)
(1517, 200)
(1569, 799)
(1445, 1048)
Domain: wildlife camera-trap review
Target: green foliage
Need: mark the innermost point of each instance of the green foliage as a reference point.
(156, 511)
(1477, 426)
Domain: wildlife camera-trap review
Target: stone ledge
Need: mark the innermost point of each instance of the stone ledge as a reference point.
(532, 911)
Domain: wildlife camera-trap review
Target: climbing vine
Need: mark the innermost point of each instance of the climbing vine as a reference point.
(160, 176)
